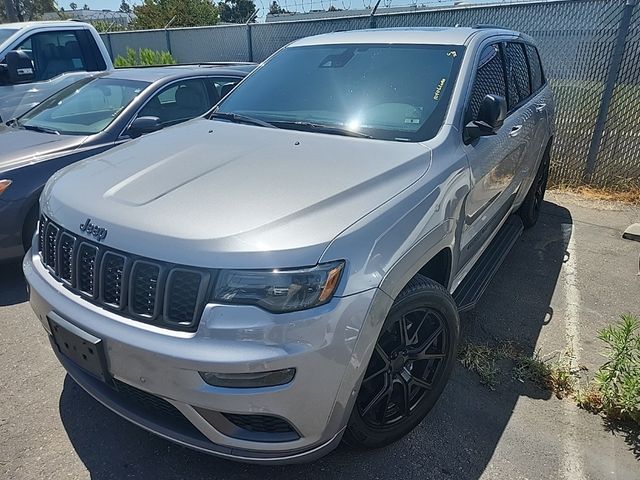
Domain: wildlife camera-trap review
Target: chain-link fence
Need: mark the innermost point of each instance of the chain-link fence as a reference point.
(590, 49)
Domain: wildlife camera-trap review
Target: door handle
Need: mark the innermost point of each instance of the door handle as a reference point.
(515, 130)
(541, 106)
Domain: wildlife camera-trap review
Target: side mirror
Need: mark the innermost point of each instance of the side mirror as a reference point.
(493, 111)
(143, 125)
(19, 67)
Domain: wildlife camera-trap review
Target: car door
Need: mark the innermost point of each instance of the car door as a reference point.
(540, 104)
(58, 60)
(531, 111)
(495, 161)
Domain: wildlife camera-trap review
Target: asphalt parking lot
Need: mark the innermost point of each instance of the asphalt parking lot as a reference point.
(565, 279)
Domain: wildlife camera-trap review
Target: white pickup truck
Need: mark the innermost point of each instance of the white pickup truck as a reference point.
(39, 58)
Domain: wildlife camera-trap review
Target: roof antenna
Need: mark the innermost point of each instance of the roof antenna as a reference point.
(372, 20)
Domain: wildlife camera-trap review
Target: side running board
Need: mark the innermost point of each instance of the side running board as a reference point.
(477, 280)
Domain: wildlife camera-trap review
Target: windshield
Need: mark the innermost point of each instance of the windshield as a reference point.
(6, 33)
(390, 92)
(83, 108)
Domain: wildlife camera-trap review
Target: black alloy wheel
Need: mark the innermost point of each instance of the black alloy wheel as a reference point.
(409, 366)
(408, 358)
(530, 209)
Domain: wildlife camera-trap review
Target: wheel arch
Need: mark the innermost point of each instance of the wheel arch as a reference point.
(429, 253)
(431, 256)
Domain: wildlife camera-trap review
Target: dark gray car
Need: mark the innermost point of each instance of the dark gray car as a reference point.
(89, 117)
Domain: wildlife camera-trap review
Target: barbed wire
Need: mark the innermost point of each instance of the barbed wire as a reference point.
(114, 21)
(307, 6)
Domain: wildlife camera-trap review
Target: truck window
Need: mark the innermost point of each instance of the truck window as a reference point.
(397, 92)
(54, 53)
(489, 80)
(517, 74)
(537, 79)
(5, 33)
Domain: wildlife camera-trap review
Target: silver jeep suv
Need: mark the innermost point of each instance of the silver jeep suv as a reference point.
(288, 270)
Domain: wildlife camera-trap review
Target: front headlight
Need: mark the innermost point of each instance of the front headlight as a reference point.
(279, 291)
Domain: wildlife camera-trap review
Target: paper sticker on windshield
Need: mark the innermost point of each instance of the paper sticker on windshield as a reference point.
(436, 94)
(411, 120)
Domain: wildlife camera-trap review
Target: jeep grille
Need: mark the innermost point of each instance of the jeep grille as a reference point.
(151, 291)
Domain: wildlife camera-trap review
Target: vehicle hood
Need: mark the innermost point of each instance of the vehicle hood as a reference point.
(18, 146)
(217, 194)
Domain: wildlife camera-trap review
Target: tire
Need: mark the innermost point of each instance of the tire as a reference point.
(529, 211)
(399, 387)
(29, 227)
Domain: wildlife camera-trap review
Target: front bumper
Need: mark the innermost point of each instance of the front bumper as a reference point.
(320, 343)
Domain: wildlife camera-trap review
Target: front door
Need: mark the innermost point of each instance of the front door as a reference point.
(495, 161)
(58, 61)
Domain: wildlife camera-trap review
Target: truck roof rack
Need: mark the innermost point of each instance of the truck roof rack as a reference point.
(488, 25)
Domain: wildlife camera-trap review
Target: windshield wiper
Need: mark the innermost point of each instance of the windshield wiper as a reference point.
(317, 127)
(37, 128)
(237, 118)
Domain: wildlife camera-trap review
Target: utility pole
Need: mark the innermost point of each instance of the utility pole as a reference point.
(10, 8)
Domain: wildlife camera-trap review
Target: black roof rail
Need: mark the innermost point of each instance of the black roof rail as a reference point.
(488, 25)
(197, 64)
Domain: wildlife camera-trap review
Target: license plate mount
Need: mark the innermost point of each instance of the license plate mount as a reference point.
(82, 348)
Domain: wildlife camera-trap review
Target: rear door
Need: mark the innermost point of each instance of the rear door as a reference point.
(522, 93)
(496, 161)
(540, 105)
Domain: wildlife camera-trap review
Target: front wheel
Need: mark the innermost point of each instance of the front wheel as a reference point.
(410, 365)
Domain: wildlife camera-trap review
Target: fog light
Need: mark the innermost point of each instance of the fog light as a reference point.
(249, 380)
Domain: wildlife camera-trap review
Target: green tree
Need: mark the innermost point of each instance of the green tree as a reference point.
(86, 7)
(125, 7)
(25, 10)
(275, 9)
(73, 6)
(187, 13)
(236, 11)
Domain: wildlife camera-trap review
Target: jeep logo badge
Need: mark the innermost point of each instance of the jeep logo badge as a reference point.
(91, 229)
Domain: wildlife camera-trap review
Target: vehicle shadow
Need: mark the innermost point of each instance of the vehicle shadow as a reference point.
(13, 287)
(457, 439)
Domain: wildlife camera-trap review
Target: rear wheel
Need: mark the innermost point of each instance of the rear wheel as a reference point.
(409, 367)
(530, 209)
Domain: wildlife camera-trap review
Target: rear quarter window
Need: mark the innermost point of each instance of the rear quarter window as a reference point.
(535, 67)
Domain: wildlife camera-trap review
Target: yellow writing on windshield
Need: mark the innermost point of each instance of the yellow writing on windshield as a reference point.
(436, 95)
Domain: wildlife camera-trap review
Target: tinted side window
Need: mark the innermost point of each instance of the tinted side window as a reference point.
(178, 102)
(517, 74)
(535, 67)
(54, 53)
(90, 51)
(221, 86)
(489, 79)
